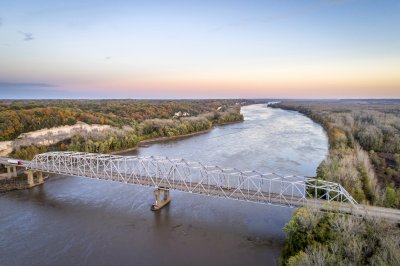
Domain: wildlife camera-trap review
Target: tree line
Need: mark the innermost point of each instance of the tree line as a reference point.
(21, 116)
(364, 140)
(127, 137)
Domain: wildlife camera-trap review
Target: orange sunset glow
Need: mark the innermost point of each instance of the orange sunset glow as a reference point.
(306, 49)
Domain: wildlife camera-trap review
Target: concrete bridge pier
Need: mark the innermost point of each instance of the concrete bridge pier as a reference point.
(162, 198)
(40, 177)
(11, 171)
(31, 181)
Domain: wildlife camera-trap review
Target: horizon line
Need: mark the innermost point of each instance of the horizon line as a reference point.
(211, 98)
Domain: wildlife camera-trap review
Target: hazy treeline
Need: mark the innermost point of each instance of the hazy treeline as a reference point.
(364, 142)
(22, 116)
(319, 238)
(129, 135)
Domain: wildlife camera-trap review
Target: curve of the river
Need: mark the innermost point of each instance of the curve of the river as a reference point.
(71, 220)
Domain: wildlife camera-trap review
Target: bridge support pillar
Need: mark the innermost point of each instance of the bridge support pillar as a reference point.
(11, 171)
(29, 175)
(162, 198)
(40, 177)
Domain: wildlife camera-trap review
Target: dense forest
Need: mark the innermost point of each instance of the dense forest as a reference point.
(364, 157)
(319, 238)
(364, 140)
(132, 121)
(22, 116)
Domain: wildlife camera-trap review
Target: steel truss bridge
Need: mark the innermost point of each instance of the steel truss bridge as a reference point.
(197, 178)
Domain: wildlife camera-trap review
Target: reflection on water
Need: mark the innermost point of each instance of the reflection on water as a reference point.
(71, 220)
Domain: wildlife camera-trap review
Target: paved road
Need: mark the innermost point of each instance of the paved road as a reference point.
(4, 161)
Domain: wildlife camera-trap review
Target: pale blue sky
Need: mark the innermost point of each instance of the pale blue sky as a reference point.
(175, 49)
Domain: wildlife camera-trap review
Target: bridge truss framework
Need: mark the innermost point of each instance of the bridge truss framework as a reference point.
(195, 177)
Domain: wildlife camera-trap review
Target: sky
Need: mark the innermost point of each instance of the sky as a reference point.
(200, 49)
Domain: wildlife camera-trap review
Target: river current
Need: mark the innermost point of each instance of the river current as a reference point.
(79, 221)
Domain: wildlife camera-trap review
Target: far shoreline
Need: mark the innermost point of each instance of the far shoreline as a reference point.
(161, 139)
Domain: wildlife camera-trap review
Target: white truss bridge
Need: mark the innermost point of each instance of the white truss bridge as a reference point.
(197, 178)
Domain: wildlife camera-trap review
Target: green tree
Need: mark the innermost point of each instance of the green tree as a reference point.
(391, 199)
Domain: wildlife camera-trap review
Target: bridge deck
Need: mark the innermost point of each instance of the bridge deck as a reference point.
(193, 177)
(273, 198)
(4, 161)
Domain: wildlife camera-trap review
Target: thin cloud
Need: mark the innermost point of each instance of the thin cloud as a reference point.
(27, 36)
(30, 90)
(25, 84)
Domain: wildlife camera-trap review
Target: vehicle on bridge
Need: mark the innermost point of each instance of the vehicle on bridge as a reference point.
(12, 161)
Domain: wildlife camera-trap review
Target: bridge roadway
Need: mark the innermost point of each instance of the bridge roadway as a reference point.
(208, 180)
(4, 161)
(273, 199)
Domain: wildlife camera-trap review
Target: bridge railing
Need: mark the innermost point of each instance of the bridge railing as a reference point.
(193, 177)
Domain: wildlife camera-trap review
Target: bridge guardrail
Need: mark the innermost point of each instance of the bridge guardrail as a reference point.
(194, 177)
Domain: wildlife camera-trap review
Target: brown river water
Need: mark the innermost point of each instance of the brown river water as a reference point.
(79, 221)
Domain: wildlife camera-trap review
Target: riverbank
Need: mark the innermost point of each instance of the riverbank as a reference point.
(127, 138)
(356, 134)
(235, 232)
(235, 143)
(160, 139)
(18, 183)
(355, 145)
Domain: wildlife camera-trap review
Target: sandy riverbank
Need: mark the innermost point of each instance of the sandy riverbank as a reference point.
(50, 136)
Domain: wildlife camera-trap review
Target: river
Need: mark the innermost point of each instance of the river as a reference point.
(79, 221)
